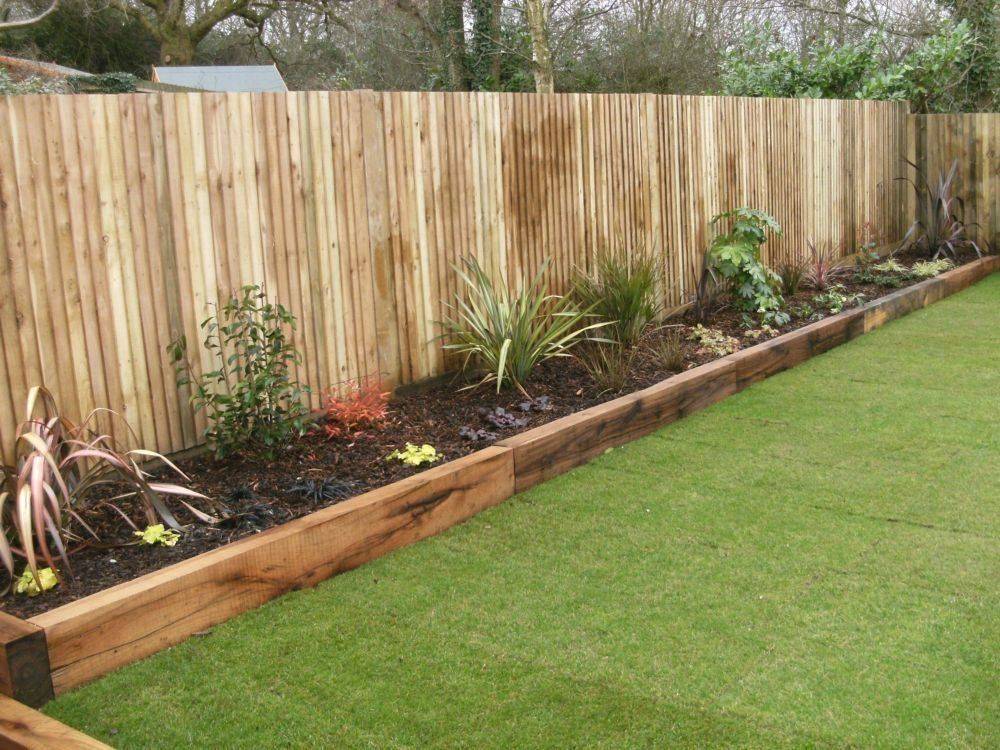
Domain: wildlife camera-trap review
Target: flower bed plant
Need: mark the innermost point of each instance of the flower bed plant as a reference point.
(365, 442)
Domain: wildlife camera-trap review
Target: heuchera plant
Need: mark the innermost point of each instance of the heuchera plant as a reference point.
(413, 455)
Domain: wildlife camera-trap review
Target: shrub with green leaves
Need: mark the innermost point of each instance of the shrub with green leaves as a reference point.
(934, 76)
(621, 291)
(505, 333)
(836, 299)
(251, 398)
(735, 256)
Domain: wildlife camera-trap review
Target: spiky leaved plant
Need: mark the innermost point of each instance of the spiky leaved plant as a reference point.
(505, 333)
(58, 465)
(940, 229)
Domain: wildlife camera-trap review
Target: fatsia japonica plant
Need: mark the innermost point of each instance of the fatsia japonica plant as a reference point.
(61, 469)
(735, 256)
(251, 397)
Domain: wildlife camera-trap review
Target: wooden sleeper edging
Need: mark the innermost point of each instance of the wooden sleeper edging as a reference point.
(80, 641)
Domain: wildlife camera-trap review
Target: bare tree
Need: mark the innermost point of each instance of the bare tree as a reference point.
(536, 13)
(21, 23)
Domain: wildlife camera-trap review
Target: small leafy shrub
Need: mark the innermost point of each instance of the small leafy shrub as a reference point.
(362, 407)
(926, 269)
(318, 491)
(507, 334)
(668, 348)
(103, 83)
(413, 455)
(836, 299)
(621, 292)
(713, 341)
(890, 273)
(891, 266)
(58, 464)
(474, 435)
(735, 256)
(251, 399)
(940, 230)
(764, 332)
(33, 585)
(501, 418)
(824, 267)
(803, 311)
(791, 273)
(158, 534)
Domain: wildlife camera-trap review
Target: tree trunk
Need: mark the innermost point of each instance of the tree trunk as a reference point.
(176, 47)
(537, 17)
(454, 43)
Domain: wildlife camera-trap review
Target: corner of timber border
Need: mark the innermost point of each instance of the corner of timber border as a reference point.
(23, 728)
(83, 640)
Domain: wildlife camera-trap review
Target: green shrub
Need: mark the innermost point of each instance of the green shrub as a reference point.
(735, 256)
(251, 399)
(620, 291)
(836, 299)
(508, 333)
(713, 341)
(414, 455)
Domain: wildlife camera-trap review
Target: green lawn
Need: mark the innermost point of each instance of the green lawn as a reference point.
(813, 562)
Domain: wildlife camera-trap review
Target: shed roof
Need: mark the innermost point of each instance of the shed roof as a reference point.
(222, 77)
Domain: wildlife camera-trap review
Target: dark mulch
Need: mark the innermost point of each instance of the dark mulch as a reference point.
(254, 493)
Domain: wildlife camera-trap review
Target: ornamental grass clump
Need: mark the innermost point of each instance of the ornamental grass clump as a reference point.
(507, 334)
(620, 291)
(61, 469)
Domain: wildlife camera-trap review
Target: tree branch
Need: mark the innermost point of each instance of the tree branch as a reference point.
(7, 25)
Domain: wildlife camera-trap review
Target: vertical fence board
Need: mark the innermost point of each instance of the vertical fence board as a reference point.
(124, 219)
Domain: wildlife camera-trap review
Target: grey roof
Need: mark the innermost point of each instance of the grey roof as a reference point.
(222, 77)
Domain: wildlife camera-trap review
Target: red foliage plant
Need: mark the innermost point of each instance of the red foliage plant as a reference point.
(361, 406)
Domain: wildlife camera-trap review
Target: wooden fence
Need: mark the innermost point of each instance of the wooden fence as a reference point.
(974, 139)
(123, 218)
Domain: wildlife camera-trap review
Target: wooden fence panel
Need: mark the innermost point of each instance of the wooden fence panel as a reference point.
(973, 139)
(125, 219)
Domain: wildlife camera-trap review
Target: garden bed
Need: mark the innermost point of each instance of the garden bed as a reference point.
(254, 493)
(97, 633)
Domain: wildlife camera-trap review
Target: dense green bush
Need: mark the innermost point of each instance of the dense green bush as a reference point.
(934, 76)
(251, 399)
